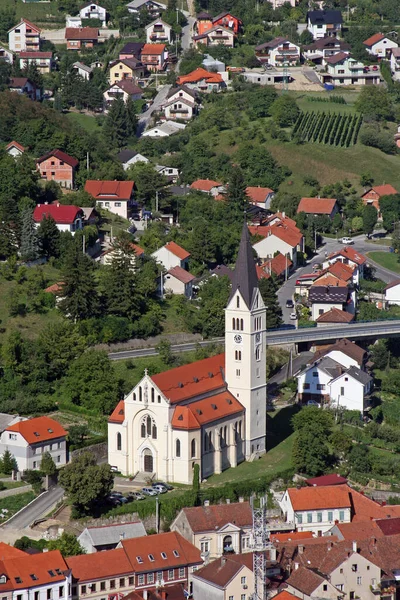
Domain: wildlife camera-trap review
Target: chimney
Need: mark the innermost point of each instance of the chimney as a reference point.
(223, 561)
(272, 554)
(241, 499)
(283, 215)
(228, 501)
(144, 594)
(354, 546)
(296, 566)
(206, 503)
(300, 549)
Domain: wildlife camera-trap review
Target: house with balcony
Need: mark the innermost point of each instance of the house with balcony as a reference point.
(42, 60)
(324, 23)
(81, 37)
(277, 52)
(14, 149)
(348, 256)
(154, 57)
(24, 37)
(125, 89)
(202, 81)
(23, 85)
(91, 10)
(153, 8)
(343, 69)
(127, 68)
(380, 45)
(216, 36)
(182, 103)
(58, 166)
(115, 196)
(158, 32)
(323, 48)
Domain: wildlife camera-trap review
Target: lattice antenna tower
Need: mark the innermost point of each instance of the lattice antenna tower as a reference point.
(260, 543)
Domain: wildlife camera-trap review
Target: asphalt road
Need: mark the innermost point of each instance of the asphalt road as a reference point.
(158, 101)
(177, 348)
(37, 509)
(297, 363)
(187, 33)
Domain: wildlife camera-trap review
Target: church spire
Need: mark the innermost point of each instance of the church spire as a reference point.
(245, 275)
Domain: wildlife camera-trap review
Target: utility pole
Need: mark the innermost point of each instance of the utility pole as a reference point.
(83, 243)
(157, 201)
(87, 161)
(315, 240)
(157, 518)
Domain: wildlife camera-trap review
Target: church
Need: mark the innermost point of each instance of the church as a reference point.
(211, 412)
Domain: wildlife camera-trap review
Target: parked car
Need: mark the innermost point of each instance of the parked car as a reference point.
(313, 403)
(149, 491)
(133, 496)
(118, 496)
(114, 501)
(348, 241)
(289, 303)
(293, 316)
(161, 489)
(166, 485)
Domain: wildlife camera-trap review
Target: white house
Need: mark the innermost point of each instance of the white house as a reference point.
(27, 441)
(315, 508)
(348, 256)
(23, 37)
(83, 70)
(278, 238)
(392, 293)
(91, 10)
(152, 7)
(350, 389)
(216, 36)
(67, 217)
(323, 48)
(158, 32)
(130, 157)
(260, 196)
(166, 129)
(325, 297)
(115, 196)
(395, 63)
(15, 149)
(178, 281)
(180, 109)
(379, 45)
(313, 381)
(342, 69)
(125, 90)
(324, 23)
(107, 537)
(42, 60)
(172, 173)
(344, 352)
(278, 51)
(172, 255)
(6, 55)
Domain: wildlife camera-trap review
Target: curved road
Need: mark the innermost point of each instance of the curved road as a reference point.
(35, 510)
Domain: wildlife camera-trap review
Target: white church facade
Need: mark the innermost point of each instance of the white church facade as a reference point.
(211, 412)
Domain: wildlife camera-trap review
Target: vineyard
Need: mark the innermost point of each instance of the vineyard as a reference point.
(325, 128)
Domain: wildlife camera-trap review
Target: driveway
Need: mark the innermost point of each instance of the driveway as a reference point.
(35, 510)
(158, 101)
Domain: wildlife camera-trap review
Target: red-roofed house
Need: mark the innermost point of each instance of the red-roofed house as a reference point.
(81, 37)
(333, 479)
(115, 196)
(28, 439)
(260, 196)
(379, 45)
(178, 281)
(154, 56)
(25, 36)
(348, 256)
(208, 186)
(372, 196)
(14, 149)
(66, 216)
(279, 265)
(172, 255)
(202, 80)
(217, 35)
(137, 254)
(278, 238)
(58, 166)
(42, 60)
(318, 206)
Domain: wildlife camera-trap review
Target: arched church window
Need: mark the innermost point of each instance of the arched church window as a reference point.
(134, 396)
(140, 393)
(233, 324)
(193, 448)
(237, 324)
(237, 302)
(159, 399)
(154, 431)
(178, 448)
(143, 430)
(241, 325)
(148, 425)
(119, 441)
(152, 394)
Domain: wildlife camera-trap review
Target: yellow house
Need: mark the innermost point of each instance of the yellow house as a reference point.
(128, 68)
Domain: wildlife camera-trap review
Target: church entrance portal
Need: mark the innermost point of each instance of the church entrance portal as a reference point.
(148, 461)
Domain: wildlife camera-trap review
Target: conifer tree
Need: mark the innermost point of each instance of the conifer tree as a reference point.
(29, 247)
(116, 127)
(119, 281)
(80, 298)
(49, 237)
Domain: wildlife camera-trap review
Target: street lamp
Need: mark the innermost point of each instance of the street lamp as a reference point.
(177, 11)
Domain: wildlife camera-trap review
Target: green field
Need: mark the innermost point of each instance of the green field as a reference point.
(45, 14)
(387, 260)
(14, 503)
(85, 121)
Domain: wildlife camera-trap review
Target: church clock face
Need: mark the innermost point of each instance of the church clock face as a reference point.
(237, 339)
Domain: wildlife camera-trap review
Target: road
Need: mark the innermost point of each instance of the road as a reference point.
(177, 348)
(297, 363)
(187, 33)
(158, 101)
(37, 509)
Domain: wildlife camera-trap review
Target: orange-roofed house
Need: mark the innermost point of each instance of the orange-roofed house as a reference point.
(208, 186)
(14, 149)
(202, 413)
(260, 196)
(154, 56)
(348, 256)
(316, 207)
(137, 254)
(380, 45)
(115, 196)
(28, 439)
(279, 237)
(218, 35)
(371, 197)
(202, 80)
(178, 281)
(81, 37)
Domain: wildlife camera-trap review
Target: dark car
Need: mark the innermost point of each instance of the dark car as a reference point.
(136, 217)
(166, 485)
(289, 303)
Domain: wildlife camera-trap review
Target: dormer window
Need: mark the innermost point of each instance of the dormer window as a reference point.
(139, 559)
(3, 579)
(163, 555)
(175, 553)
(151, 558)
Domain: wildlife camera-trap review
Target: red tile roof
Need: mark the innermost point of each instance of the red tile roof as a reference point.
(181, 274)
(15, 144)
(285, 595)
(291, 537)
(336, 58)
(177, 250)
(55, 288)
(38, 429)
(35, 55)
(169, 592)
(199, 74)
(349, 253)
(389, 526)
(333, 479)
(81, 33)
(205, 185)
(210, 409)
(192, 380)
(118, 414)
(215, 516)
(335, 315)
(7, 551)
(221, 571)
(341, 270)
(35, 27)
(329, 279)
(384, 190)
(305, 580)
(61, 213)
(278, 265)
(374, 39)
(63, 156)
(316, 206)
(359, 530)
(109, 563)
(150, 49)
(287, 234)
(109, 190)
(313, 498)
(47, 568)
(258, 194)
(347, 347)
(179, 552)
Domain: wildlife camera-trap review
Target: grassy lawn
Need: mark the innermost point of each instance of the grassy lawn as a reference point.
(173, 322)
(85, 121)
(45, 14)
(387, 260)
(10, 485)
(331, 107)
(14, 503)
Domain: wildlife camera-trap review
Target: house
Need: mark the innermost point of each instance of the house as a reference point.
(372, 196)
(154, 57)
(191, 414)
(42, 60)
(130, 157)
(226, 578)
(343, 69)
(91, 10)
(153, 8)
(42, 575)
(324, 23)
(208, 186)
(23, 85)
(27, 440)
(202, 80)
(333, 316)
(351, 389)
(206, 22)
(327, 207)
(158, 32)
(107, 537)
(182, 93)
(279, 265)
(172, 173)
(137, 254)
(346, 353)
(217, 528)
(125, 90)
(15, 149)
(277, 52)
(334, 479)
(212, 64)
(164, 130)
(180, 109)
(279, 237)
(305, 583)
(90, 215)
(313, 381)
(260, 196)
(325, 297)
(304, 283)
(83, 70)
(178, 281)
(348, 256)
(217, 35)
(131, 50)
(395, 63)
(58, 166)
(6, 55)
(67, 217)
(392, 293)
(344, 272)
(127, 68)
(115, 196)
(172, 255)
(380, 45)
(327, 279)
(323, 48)
(82, 37)
(316, 509)
(24, 37)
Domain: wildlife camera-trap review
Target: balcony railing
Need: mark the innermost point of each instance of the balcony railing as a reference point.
(183, 111)
(290, 49)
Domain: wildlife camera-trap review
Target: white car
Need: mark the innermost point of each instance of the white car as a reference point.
(149, 491)
(347, 241)
(293, 316)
